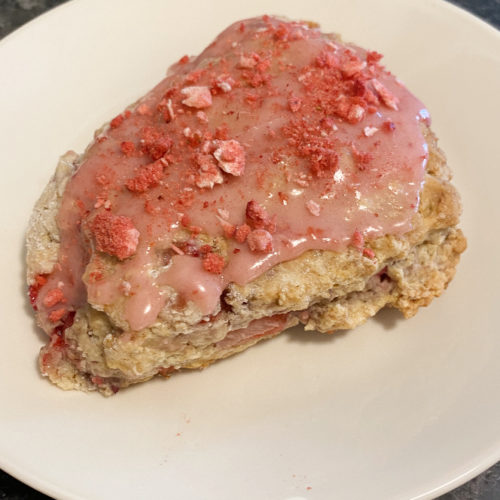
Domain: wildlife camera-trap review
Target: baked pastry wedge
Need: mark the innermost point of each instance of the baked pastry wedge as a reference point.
(280, 177)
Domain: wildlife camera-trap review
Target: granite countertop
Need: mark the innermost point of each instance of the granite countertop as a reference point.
(14, 13)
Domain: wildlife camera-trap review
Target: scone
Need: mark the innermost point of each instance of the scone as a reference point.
(281, 177)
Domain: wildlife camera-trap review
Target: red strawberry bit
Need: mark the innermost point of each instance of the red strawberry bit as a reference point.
(116, 121)
(357, 240)
(225, 83)
(213, 263)
(154, 142)
(319, 150)
(184, 59)
(294, 103)
(209, 174)
(205, 249)
(41, 279)
(95, 276)
(242, 233)
(115, 234)
(389, 126)
(228, 228)
(143, 109)
(388, 98)
(96, 380)
(257, 216)
(56, 315)
(127, 148)
(231, 157)
(352, 65)
(368, 252)
(248, 61)
(34, 289)
(260, 240)
(53, 297)
(373, 57)
(326, 59)
(355, 114)
(185, 220)
(147, 177)
(197, 97)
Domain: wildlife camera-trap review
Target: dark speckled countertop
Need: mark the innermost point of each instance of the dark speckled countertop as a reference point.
(14, 13)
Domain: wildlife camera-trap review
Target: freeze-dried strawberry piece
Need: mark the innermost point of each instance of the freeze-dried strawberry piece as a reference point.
(357, 240)
(260, 240)
(209, 174)
(256, 215)
(388, 98)
(213, 263)
(242, 233)
(147, 177)
(116, 121)
(373, 57)
(56, 315)
(53, 297)
(34, 289)
(248, 61)
(231, 157)
(355, 113)
(197, 97)
(115, 234)
(225, 83)
(228, 228)
(368, 252)
(294, 103)
(352, 66)
(369, 131)
(127, 148)
(154, 142)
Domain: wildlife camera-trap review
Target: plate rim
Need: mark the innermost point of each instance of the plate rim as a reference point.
(49, 488)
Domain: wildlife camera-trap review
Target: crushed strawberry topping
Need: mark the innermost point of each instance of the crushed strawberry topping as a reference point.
(197, 97)
(154, 142)
(258, 218)
(213, 263)
(241, 233)
(147, 177)
(34, 289)
(117, 121)
(56, 315)
(260, 240)
(276, 139)
(230, 156)
(127, 148)
(53, 297)
(115, 234)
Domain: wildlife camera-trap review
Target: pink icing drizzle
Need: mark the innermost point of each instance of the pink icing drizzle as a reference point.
(261, 101)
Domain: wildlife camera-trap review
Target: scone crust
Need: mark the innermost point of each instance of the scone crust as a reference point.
(324, 290)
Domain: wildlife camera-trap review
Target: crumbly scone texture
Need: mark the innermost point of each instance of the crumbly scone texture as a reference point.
(324, 290)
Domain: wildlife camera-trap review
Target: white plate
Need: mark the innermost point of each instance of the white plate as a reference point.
(396, 409)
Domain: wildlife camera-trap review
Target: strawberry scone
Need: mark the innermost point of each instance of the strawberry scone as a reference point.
(280, 177)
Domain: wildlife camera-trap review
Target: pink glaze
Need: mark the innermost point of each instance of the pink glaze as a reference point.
(322, 137)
